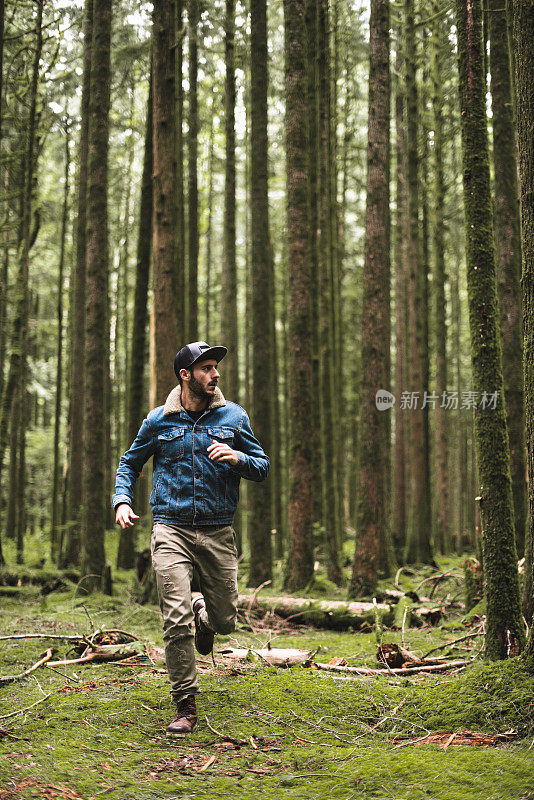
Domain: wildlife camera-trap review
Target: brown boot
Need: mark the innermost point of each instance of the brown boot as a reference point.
(185, 719)
(203, 637)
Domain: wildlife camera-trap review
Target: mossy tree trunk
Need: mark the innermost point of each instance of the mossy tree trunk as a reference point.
(523, 33)
(71, 552)
(439, 281)
(126, 556)
(372, 545)
(508, 249)
(260, 522)
(300, 566)
(95, 497)
(505, 633)
(166, 309)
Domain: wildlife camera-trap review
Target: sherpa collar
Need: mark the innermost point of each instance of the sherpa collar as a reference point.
(173, 403)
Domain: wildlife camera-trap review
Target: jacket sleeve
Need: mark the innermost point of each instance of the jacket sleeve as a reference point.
(131, 464)
(253, 463)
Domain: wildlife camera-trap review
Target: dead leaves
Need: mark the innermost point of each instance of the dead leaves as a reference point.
(470, 738)
(30, 788)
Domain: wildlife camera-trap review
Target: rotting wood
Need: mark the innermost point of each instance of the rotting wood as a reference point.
(276, 656)
(331, 614)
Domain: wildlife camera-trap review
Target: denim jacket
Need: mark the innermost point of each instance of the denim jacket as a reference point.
(188, 488)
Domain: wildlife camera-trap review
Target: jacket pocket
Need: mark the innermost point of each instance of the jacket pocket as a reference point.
(225, 435)
(171, 444)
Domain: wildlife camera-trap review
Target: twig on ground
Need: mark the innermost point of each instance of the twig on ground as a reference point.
(400, 671)
(63, 674)
(438, 578)
(223, 736)
(12, 678)
(59, 636)
(22, 710)
(455, 641)
(397, 576)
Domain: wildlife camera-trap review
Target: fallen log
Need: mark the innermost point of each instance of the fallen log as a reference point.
(401, 671)
(331, 614)
(279, 657)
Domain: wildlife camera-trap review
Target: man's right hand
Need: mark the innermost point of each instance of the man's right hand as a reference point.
(125, 516)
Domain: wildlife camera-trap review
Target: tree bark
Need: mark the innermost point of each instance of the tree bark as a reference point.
(166, 305)
(523, 30)
(71, 554)
(505, 633)
(418, 542)
(508, 250)
(300, 353)
(193, 14)
(95, 498)
(259, 493)
(372, 546)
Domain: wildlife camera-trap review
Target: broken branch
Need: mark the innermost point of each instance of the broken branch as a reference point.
(12, 678)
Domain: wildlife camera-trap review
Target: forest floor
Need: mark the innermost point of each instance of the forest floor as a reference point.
(98, 730)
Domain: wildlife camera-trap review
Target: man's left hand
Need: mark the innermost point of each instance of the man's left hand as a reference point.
(217, 451)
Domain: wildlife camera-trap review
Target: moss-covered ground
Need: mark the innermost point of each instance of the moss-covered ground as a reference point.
(302, 732)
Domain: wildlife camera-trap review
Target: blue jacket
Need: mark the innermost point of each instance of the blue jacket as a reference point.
(188, 488)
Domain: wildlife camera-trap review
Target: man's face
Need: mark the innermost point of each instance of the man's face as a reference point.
(204, 377)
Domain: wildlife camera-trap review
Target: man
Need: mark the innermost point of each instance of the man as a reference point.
(202, 446)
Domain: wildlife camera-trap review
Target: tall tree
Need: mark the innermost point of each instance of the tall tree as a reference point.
(165, 309)
(95, 498)
(439, 280)
(193, 15)
(229, 273)
(259, 493)
(401, 438)
(179, 136)
(300, 351)
(328, 376)
(137, 372)
(505, 633)
(523, 31)
(55, 515)
(418, 540)
(71, 552)
(508, 248)
(372, 544)
(14, 389)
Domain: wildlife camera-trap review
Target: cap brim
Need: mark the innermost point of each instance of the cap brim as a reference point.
(218, 353)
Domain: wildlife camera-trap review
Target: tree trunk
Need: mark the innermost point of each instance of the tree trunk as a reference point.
(259, 493)
(401, 439)
(508, 250)
(180, 209)
(16, 380)
(229, 275)
(71, 554)
(418, 540)
(327, 381)
(372, 546)
(54, 525)
(193, 15)
(523, 28)
(166, 305)
(505, 633)
(300, 352)
(96, 314)
(440, 278)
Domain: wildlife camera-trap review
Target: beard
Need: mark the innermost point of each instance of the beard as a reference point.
(196, 389)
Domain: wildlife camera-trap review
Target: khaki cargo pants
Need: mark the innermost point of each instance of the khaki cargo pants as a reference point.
(175, 551)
